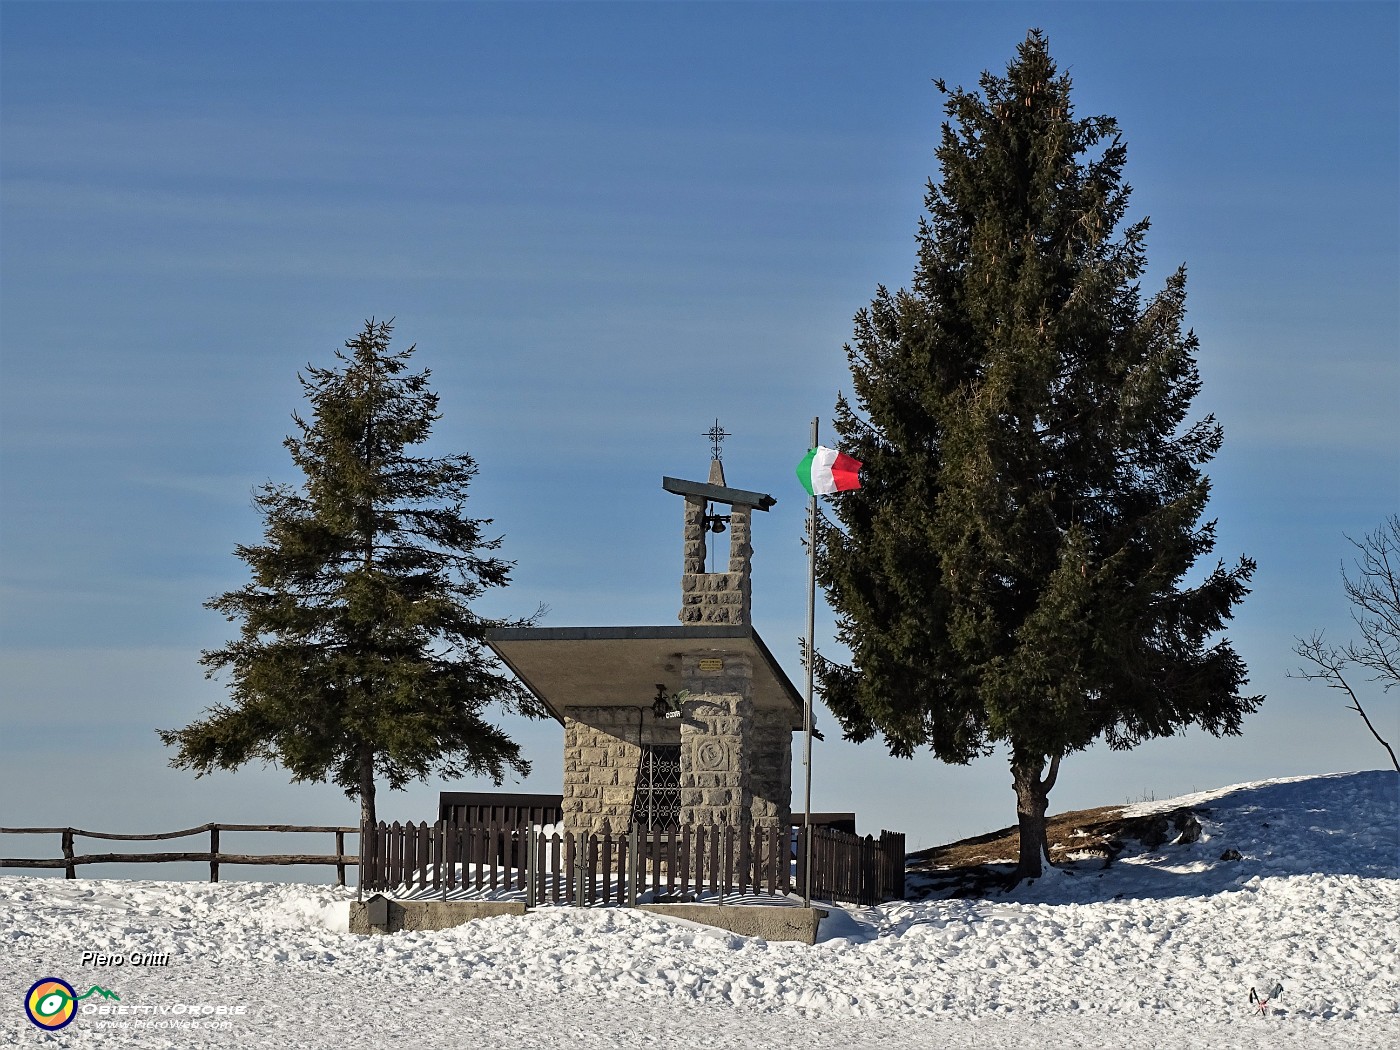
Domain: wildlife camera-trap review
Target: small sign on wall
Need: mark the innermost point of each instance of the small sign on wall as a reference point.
(711, 663)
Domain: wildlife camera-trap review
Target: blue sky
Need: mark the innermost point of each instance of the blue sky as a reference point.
(605, 225)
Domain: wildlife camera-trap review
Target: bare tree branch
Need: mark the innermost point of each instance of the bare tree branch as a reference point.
(1375, 597)
(1329, 662)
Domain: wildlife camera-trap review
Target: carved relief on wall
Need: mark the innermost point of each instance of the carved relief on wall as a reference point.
(711, 756)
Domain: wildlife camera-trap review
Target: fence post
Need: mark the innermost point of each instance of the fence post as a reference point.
(804, 864)
(339, 852)
(580, 851)
(360, 874)
(727, 833)
(393, 876)
(603, 867)
(451, 854)
(632, 866)
(440, 856)
(213, 853)
(532, 840)
(591, 880)
(685, 860)
(69, 872)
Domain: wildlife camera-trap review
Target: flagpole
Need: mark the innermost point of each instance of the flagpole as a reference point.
(811, 661)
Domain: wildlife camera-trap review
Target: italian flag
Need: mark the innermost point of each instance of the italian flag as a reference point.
(825, 471)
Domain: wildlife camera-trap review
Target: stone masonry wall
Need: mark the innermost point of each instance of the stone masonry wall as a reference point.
(770, 768)
(694, 536)
(715, 729)
(602, 752)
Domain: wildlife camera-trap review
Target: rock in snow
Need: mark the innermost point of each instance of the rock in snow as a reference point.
(1160, 950)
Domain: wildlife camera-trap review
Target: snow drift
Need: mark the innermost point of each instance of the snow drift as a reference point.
(1159, 949)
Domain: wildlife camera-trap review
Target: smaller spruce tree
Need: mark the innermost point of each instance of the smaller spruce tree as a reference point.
(358, 655)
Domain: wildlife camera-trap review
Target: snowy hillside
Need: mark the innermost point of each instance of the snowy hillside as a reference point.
(1159, 950)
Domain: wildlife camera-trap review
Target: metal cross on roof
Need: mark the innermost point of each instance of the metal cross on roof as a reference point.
(716, 434)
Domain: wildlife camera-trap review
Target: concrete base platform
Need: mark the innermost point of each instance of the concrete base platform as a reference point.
(749, 920)
(429, 915)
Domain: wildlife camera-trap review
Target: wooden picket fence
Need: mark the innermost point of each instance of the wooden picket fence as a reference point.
(701, 862)
(857, 870)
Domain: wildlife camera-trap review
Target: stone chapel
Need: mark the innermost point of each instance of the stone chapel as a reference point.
(671, 725)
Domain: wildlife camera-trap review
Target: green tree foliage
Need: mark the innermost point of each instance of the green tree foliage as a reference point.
(1013, 571)
(358, 656)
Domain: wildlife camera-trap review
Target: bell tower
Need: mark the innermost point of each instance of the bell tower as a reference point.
(717, 590)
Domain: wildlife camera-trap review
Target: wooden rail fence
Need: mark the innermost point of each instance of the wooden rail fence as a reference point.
(70, 861)
(589, 869)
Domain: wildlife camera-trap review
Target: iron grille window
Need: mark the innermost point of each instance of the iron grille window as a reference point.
(656, 803)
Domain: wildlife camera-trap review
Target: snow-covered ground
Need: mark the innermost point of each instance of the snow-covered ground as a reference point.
(1159, 950)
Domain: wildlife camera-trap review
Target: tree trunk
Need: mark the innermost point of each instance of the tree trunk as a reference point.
(366, 786)
(369, 840)
(1032, 801)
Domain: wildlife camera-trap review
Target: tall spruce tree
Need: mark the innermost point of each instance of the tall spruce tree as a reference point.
(358, 656)
(1013, 571)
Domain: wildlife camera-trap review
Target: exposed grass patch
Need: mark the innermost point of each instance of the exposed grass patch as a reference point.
(972, 866)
